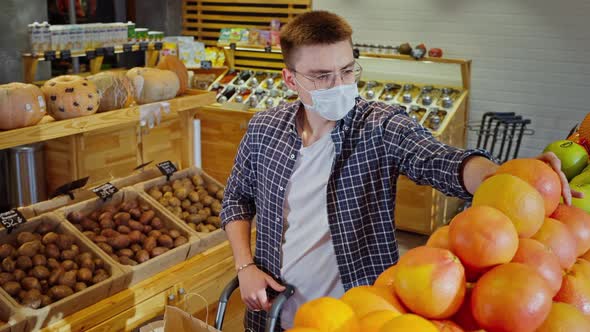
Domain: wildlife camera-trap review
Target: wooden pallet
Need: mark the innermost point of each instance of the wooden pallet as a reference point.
(204, 19)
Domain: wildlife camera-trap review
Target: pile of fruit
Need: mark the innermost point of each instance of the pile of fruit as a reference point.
(130, 232)
(516, 261)
(45, 266)
(192, 200)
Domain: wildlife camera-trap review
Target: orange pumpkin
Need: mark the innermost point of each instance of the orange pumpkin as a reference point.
(70, 96)
(115, 89)
(21, 105)
(173, 63)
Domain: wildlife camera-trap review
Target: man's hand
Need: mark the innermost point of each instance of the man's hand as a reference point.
(555, 163)
(253, 284)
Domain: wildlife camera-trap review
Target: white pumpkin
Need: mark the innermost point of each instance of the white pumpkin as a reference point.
(115, 89)
(152, 85)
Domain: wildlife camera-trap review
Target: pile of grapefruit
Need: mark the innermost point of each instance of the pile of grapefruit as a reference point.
(516, 261)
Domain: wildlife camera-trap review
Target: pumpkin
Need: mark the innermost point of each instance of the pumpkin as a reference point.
(173, 63)
(21, 105)
(152, 85)
(115, 89)
(70, 96)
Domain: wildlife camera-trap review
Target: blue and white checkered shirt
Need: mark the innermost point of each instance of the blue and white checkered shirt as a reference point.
(374, 144)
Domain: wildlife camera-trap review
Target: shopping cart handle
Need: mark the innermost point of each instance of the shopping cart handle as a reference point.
(223, 299)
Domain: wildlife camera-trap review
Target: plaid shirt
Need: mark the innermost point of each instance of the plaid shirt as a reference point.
(374, 144)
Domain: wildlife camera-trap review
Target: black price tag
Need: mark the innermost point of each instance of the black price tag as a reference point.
(100, 51)
(127, 47)
(91, 54)
(65, 54)
(49, 55)
(268, 49)
(143, 46)
(356, 53)
(109, 50)
(143, 165)
(206, 64)
(167, 168)
(158, 46)
(232, 46)
(105, 191)
(68, 188)
(11, 219)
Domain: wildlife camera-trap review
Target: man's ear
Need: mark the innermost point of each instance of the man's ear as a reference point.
(289, 79)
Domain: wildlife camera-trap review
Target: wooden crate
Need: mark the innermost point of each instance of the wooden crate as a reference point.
(164, 142)
(39, 318)
(204, 19)
(14, 320)
(153, 265)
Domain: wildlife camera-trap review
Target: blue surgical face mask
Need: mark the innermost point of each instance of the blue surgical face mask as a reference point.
(332, 104)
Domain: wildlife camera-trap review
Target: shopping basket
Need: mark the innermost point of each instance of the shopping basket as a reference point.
(272, 315)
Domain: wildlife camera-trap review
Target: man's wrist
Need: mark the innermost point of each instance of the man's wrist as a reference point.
(244, 266)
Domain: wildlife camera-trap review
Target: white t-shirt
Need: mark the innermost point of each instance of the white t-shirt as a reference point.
(309, 261)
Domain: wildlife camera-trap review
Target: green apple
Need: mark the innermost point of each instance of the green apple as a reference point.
(582, 178)
(573, 156)
(582, 203)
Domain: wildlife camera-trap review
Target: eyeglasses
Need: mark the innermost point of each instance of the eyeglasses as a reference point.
(326, 81)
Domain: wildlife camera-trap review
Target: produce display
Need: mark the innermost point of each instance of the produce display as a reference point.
(130, 232)
(115, 89)
(70, 96)
(515, 261)
(152, 85)
(46, 265)
(172, 63)
(21, 105)
(192, 200)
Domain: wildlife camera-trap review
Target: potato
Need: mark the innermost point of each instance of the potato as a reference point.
(147, 229)
(206, 211)
(164, 231)
(206, 200)
(166, 188)
(83, 256)
(24, 263)
(174, 202)
(98, 263)
(157, 223)
(105, 215)
(159, 251)
(197, 180)
(127, 261)
(29, 283)
(180, 241)
(76, 249)
(76, 217)
(122, 218)
(68, 255)
(135, 213)
(216, 209)
(192, 226)
(185, 204)
(99, 239)
(125, 252)
(181, 193)
(84, 274)
(55, 275)
(202, 193)
(155, 233)
(168, 195)
(68, 265)
(119, 242)
(211, 227)
(59, 292)
(29, 249)
(114, 257)
(127, 206)
(219, 194)
(155, 193)
(108, 208)
(80, 286)
(6, 277)
(52, 263)
(135, 225)
(147, 216)
(87, 263)
(142, 256)
(212, 188)
(202, 228)
(193, 196)
(6, 250)
(185, 216)
(44, 286)
(68, 278)
(124, 229)
(107, 223)
(165, 241)
(95, 214)
(65, 241)
(52, 251)
(12, 288)
(197, 218)
(99, 278)
(136, 247)
(32, 299)
(8, 264)
(105, 247)
(45, 300)
(177, 184)
(41, 272)
(135, 236)
(79, 227)
(215, 221)
(174, 233)
(89, 224)
(109, 233)
(49, 238)
(150, 243)
(24, 237)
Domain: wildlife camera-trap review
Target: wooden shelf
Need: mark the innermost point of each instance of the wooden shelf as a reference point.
(410, 58)
(82, 53)
(48, 128)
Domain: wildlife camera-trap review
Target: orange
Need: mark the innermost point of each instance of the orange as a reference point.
(447, 326)
(565, 317)
(374, 321)
(557, 237)
(430, 282)
(387, 278)
(483, 236)
(440, 238)
(328, 315)
(464, 316)
(514, 197)
(578, 222)
(539, 175)
(534, 254)
(575, 288)
(302, 329)
(365, 299)
(409, 323)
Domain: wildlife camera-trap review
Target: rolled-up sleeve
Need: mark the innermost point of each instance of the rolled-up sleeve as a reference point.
(425, 160)
(239, 198)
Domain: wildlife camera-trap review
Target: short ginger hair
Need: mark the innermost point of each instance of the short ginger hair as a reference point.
(312, 28)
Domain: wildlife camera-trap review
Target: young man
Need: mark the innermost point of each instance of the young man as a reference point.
(320, 175)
